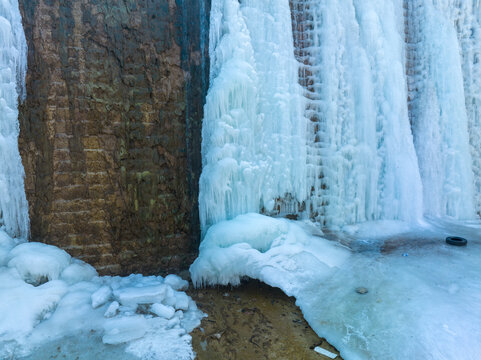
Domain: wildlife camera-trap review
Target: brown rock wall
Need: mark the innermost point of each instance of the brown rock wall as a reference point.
(110, 130)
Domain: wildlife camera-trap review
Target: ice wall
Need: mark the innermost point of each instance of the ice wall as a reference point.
(362, 163)
(441, 38)
(466, 19)
(391, 99)
(13, 65)
(254, 128)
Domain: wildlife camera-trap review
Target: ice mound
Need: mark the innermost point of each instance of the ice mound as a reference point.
(37, 263)
(46, 295)
(423, 299)
(276, 251)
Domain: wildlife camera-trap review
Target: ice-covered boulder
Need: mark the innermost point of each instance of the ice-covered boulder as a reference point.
(37, 263)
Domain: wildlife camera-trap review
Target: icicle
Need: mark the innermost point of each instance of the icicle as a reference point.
(438, 108)
(13, 65)
(254, 129)
(361, 163)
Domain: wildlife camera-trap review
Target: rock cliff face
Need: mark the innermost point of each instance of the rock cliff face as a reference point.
(111, 129)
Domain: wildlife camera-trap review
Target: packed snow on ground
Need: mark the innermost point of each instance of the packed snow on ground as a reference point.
(48, 298)
(423, 299)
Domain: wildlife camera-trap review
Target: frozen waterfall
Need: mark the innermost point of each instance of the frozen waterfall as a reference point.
(343, 111)
(13, 66)
(363, 164)
(254, 130)
(439, 111)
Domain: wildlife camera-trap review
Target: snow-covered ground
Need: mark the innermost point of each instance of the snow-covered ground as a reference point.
(423, 299)
(48, 298)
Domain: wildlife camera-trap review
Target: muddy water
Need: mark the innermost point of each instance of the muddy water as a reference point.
(253, 321)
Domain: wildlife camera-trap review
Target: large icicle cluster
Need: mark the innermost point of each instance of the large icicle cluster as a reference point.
(438, 105)
(362, 162)
(466, 17)
(13, 65)
(254, 129)
(390, 93)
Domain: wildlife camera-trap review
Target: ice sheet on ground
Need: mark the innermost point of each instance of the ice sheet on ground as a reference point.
(423, 300)
(48, 299)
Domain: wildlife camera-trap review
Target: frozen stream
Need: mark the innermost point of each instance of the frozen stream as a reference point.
(424, 296)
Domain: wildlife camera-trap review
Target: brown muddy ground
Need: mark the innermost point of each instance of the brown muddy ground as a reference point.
(253, 321)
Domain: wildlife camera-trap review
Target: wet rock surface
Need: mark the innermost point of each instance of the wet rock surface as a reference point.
(253, 321)
(110, 130)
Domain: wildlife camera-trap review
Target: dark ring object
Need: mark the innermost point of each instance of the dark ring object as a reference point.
(456, 241)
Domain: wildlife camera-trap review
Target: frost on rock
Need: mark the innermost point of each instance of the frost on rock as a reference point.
(46, 296)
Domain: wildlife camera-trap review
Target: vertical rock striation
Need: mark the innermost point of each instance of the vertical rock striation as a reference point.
(110, 130)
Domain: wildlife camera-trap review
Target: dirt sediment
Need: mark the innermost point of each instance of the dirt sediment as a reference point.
(253, 321)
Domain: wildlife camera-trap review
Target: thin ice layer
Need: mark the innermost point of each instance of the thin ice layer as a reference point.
(13, 65)
(253, 132)
(423, 299)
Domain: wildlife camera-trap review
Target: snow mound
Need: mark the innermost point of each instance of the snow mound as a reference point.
(47, 296)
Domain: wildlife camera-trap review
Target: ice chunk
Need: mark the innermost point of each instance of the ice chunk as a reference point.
(176, 282)
(174, 322)
(132, 296)
(37, 263)
(23, 306)
(163, 310)
(124, 329)
(101, 296)
(181, 301)
(325, 352)
(78, 271)
(112, 310)
(178, 300)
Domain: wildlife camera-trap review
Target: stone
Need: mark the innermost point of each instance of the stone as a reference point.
(361, 290)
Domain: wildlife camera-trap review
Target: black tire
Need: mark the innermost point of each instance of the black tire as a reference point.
(456, 241)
